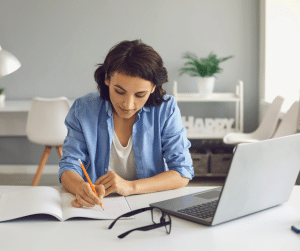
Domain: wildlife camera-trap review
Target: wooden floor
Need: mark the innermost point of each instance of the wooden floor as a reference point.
(22, 175)
(24, 179)
(215, 181)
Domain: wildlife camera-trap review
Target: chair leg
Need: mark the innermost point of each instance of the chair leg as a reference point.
(59, 151)
(42, 163)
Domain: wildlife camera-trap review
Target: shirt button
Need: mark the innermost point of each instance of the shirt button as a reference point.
(105, 169)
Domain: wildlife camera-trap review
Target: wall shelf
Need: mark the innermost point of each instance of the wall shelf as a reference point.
(237, 98)
(216, 97)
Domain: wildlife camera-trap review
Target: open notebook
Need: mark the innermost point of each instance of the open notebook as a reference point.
(56, 202)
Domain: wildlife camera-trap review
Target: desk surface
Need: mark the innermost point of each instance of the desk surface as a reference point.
(15, 106)
(13, 117)
(266, 230)
(22, 105)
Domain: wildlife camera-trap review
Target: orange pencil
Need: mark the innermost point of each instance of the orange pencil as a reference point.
(89, 180)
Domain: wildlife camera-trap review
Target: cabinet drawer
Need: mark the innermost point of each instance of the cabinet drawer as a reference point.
(220, 160)
(200, 159)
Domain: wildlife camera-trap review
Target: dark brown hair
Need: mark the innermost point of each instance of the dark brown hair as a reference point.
(135, 59)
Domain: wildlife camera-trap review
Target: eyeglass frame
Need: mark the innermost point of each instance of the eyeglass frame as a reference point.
(162, 223)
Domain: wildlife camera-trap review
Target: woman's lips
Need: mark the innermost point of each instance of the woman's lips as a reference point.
(126, 111)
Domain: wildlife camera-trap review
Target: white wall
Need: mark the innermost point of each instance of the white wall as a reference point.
(280, 51)
(60, 42)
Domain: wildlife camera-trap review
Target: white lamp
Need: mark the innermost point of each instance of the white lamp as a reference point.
(8, 64)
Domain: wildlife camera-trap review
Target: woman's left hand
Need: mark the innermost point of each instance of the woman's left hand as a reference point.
(114, 183)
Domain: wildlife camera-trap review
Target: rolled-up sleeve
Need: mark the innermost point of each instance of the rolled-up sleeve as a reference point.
(74, 146)
(175, 145)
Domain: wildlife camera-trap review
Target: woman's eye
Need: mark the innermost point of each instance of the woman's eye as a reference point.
(138, 96)
(119, 92)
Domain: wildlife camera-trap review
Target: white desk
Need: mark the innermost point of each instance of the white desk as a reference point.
(266, 230)
(13, 117)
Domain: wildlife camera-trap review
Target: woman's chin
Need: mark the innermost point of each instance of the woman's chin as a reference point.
(126, 115)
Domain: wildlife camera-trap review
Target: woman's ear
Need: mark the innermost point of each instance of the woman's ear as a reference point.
(106, 80)
(153, 89)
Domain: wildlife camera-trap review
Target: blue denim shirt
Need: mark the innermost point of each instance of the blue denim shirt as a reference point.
(158, 138)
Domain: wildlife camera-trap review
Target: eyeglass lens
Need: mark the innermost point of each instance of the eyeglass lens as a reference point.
(156, 217)
(168, 227)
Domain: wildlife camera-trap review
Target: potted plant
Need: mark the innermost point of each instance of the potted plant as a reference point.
(204, 69)
(2, 96)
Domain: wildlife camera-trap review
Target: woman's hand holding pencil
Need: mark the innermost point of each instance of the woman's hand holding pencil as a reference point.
(88, 194)
(86, 197)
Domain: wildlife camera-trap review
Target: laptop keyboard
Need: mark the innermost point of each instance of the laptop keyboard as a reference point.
(202, 211)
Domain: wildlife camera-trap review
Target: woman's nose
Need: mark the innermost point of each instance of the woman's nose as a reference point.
(129, 103)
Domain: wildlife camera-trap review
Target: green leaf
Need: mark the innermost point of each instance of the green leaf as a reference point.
(203, 66)
(190, 70)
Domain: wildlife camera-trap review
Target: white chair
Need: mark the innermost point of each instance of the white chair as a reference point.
(288, 124)
(45, 126)
(265, 130)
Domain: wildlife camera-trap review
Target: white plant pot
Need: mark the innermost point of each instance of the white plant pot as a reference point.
(205, 86)
(2, 98)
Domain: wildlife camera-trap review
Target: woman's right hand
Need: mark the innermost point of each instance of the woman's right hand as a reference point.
(86, 197)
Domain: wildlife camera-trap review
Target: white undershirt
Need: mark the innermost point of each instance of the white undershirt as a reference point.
(122, 160)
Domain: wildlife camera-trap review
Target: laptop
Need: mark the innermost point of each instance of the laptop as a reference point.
(261, 175)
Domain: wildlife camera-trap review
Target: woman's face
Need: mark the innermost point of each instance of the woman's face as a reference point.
(128, 94)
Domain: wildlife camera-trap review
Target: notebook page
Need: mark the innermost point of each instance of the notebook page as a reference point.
(36, 200)
(113, 207)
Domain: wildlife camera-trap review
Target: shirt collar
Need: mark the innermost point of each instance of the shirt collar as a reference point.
(108, 107)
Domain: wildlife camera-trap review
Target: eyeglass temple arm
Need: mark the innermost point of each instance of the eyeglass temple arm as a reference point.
(146, 228)
(129, 214)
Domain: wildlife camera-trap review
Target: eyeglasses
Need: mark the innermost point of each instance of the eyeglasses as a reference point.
(159, 218)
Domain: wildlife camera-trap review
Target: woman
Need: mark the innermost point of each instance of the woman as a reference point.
(130, 138)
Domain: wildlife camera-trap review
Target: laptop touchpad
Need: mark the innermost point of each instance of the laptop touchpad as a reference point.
(208, 195)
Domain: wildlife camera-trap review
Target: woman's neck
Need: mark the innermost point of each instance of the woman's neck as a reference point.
(130, 120)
